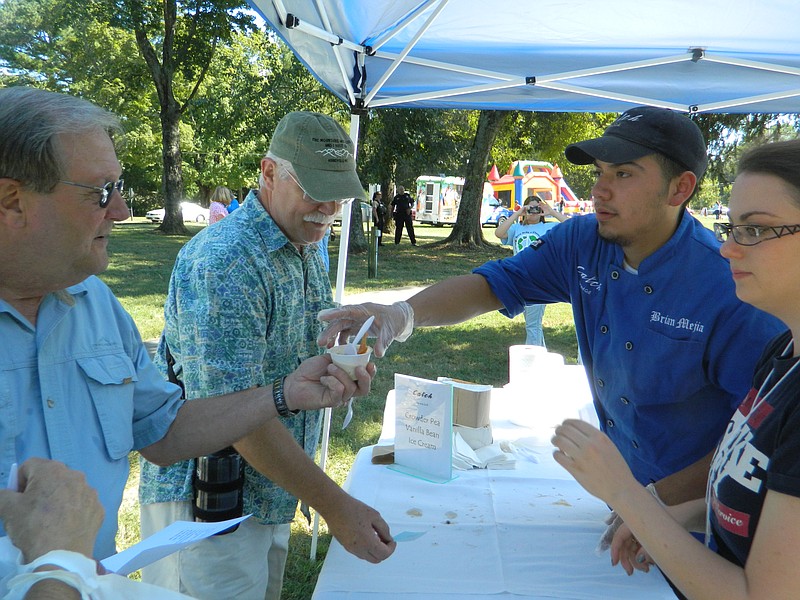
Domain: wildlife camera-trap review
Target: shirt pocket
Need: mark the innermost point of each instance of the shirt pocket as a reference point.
(676, 370)
(111, 384)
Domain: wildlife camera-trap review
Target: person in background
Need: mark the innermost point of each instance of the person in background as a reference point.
(752, 506)
(378, 216)
(78, 384)
(658, 358)
(220, 200)
(229, 329)
(234, 204)
(525, 227)
(401, 213)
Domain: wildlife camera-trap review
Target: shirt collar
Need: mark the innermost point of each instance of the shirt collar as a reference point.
(679, 238)
(272, 236)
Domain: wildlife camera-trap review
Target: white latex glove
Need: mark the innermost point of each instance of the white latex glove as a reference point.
(395, 322)
(613, 522)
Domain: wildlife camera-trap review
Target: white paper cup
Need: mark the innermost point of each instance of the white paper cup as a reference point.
(522, 361)
(349, 362)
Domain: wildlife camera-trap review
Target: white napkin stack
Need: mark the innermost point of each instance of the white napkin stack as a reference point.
(490, 456)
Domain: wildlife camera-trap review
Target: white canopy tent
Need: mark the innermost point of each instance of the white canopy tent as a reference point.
(737, 56)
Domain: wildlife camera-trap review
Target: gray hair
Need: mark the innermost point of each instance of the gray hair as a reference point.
(284, 168)
(31, 120)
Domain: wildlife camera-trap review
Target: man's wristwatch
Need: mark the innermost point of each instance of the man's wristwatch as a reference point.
(280, 401)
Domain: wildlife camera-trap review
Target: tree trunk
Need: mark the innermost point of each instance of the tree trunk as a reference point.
(358, 241)
(467, 229)
(172, 177)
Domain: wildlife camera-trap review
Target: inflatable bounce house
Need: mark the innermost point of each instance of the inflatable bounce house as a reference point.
(533, 178)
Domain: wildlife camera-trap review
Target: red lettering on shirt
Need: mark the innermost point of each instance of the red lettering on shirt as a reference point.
(759, 415)
(747, 403)
(754, 419)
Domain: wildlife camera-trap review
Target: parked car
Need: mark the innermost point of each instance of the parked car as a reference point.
(191, 212)
(497, 216)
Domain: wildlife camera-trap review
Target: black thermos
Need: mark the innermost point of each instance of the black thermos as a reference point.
(218, 484)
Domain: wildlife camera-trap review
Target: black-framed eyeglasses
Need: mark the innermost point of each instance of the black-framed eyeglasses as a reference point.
(750, 235)
(105, 190)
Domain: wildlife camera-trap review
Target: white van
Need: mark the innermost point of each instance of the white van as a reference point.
(437, 199)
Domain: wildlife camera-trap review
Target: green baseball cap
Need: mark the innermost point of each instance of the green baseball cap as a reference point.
(321, 154)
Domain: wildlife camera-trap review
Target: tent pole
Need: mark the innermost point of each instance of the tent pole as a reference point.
(344, 243)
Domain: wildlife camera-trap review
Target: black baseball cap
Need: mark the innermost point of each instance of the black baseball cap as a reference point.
(645, 130)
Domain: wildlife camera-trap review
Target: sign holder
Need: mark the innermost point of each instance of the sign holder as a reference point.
(423, 444)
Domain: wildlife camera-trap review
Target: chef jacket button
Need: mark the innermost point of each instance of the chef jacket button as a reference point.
(610, 423)
(635, 444)
(603, 328)
(614, 274)
(600, 383)
(628, 345)
(624, 400)
(648, 289)
(51, 403)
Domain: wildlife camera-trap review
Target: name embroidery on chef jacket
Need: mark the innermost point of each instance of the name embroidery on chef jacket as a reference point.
(676, 322)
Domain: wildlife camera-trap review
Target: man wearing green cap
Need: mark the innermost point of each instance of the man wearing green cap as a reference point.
(241, 311)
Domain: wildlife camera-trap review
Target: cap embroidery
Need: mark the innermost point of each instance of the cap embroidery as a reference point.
(337, 152)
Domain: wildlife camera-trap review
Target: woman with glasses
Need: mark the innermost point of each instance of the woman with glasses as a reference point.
(752, 504)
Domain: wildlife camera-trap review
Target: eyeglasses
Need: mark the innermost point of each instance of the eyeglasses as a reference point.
(309, 198)
(750, 235)
(105, 190)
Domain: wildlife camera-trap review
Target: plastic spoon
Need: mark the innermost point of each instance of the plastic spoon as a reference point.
(354, 347)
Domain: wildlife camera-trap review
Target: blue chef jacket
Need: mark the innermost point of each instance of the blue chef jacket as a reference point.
(669, 352)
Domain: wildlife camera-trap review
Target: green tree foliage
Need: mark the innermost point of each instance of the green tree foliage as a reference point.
(399, 145)
(49, 44)
(252, 82)
(544, 136)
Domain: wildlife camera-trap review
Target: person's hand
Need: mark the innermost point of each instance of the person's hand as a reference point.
(361, 530)
(54, 509)
(318, 383)
(592, 459)
(627, 552)
(395, 322)
(547, 209)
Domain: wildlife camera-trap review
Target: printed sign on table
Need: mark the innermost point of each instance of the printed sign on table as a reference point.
(423, 443)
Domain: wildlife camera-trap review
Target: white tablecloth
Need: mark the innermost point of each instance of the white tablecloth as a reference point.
(529, 532)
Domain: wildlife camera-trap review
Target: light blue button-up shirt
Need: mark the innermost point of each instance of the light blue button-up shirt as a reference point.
(79, 387)
(241, 310)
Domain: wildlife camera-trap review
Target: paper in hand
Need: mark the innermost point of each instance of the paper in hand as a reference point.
(173, 537)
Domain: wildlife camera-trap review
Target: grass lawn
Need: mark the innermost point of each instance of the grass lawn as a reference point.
(141, 262)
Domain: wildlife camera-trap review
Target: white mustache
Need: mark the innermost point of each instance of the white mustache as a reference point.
(318, 217)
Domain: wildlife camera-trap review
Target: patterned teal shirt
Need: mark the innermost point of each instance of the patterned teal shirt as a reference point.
(241, 310)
